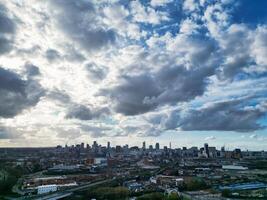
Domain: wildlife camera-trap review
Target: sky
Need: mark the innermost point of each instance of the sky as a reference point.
(181, 71)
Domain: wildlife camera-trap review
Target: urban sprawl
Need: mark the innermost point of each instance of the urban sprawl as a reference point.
(84, 171)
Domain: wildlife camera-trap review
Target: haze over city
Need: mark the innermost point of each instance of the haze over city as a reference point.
(187, 72)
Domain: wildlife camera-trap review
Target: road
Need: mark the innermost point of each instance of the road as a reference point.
(89, 185)
(55, 196)
(204, 197)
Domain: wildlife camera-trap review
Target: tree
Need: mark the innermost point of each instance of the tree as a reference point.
(226, 193)
(196, 184)
(109, 193)
(7, 183)
(173, 196)
(152, 196)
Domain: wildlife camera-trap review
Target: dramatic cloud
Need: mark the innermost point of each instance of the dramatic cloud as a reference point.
(141, 93)
(224, 116)
(7, 30)
(80, 21)
(17, 94)
(85, 113)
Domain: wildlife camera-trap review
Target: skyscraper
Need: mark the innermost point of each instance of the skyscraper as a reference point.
(206, 150)
(144, 145)
(157, 146)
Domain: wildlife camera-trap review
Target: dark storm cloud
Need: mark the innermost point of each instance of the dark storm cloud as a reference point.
(224, 116)
(78, 20)
(17, 94)
(142, 93)
(82, 112)
(96, 72)
(7, 30)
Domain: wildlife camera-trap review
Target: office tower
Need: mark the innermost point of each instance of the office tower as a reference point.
(165, 148)
(157, 146)
(95, 143)
(108, 145)
(95, 147)
(206, 150)
(144, 145)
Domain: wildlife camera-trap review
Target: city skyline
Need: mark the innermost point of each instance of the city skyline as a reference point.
(187, 72)
(144, 146)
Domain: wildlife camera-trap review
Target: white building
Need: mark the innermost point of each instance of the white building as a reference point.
(98, 161)
(233, 167)
(46, 189)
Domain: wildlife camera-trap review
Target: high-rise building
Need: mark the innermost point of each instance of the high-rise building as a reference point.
(144, 145)
(237, 153)
(222, 152)
(157, 146)
(165, 148)
(118, 149)
(150, 147)
(108, 145)
(95, 147)
(82, 145)
(206, 150)
(223, 149)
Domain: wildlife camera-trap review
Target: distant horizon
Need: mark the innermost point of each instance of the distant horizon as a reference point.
(139, 146)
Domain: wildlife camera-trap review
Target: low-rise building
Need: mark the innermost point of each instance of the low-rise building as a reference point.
(43, 189)
(233, 167)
